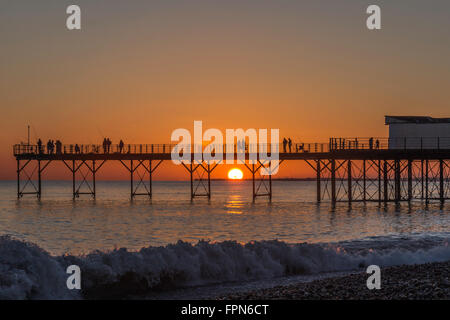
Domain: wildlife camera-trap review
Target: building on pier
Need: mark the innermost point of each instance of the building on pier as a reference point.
(411, 132)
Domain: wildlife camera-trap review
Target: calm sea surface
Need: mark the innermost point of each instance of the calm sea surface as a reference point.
(60, 225)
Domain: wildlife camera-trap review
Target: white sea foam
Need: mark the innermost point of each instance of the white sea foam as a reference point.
(26, 271)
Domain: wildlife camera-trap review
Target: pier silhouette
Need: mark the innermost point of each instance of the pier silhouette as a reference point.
(346, 169)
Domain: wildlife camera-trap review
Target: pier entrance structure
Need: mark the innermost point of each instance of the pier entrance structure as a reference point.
(346, 169)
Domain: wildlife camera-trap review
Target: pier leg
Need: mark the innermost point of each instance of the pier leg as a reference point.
(426, 180)
(422, 177)
(441, 180)
(319, 192)
(270, 183)
(397, 180)
(253, 180)
(410, 191)
(386, 181)
(150, 174)
(93, 179)
(364, 181)
(333, 180)
(209, 181)
(379, 181)
(192, 181)
(131, 179)
(206, 188)
(18, 179)
(349, 180)
(73, 179)
(39, 180)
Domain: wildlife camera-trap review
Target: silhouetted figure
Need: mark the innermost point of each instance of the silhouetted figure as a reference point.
(108, 145)
(121, 144)
(371, 143)
(104, 145)
(39, 144)
(284, 145)
(290, 145)
(377, 144)
(77, 148)
(58, 145)
(49, 147)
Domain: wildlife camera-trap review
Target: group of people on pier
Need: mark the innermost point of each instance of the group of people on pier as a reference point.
(107, 146)
(56, 147)
(287, 143)
(345, 144)
(52, 146)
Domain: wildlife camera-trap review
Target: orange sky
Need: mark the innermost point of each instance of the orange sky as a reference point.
(139, 70)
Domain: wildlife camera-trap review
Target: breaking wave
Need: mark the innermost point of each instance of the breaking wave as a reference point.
(29, 272)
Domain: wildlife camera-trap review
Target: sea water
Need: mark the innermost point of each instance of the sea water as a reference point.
(171, 242)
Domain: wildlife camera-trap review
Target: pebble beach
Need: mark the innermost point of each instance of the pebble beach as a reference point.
(429, 281)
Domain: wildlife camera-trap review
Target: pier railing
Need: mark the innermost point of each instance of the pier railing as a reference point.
(375, 143)
(25, 149)
(397, 143)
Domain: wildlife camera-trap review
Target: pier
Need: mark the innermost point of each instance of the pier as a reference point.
(346, 169)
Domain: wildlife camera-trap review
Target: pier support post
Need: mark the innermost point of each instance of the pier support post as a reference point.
(209, 181)
(29, 187)
(441, 180)
(204, 168)
(253, 181)
(422, 177)
(318, 171)
(333, 180)
(18, 179)
(379, 181)
(262, 182)
(349, 180)
(39, 180)
(410, 189)
(397, 180)
(364, 181)
(93, 178)
(131, 180)
(191, 171)
(91, 187)
(141, 188)
(426, 180)
(386, 181)
(73, 179)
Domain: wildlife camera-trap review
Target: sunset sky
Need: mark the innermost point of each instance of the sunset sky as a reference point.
(140, 69)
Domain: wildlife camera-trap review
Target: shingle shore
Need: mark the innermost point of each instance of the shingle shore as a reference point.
(415, 282)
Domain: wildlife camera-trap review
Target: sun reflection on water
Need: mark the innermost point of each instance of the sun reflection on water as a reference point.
(235, 204)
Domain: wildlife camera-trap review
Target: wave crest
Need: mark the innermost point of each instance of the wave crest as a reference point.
(28, 272)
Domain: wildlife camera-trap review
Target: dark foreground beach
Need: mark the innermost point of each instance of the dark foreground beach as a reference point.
(422, 282)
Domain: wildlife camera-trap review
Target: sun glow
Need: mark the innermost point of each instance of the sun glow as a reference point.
(235, 174)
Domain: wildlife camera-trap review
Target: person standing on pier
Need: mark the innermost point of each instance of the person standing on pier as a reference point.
(284, 145)
(39, 144)
(121, 144)
(371, 143)
(290, 145)
(58, 147)
(50, 147)
(104, 145)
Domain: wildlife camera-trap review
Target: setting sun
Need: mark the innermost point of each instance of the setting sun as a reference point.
(235, 174)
